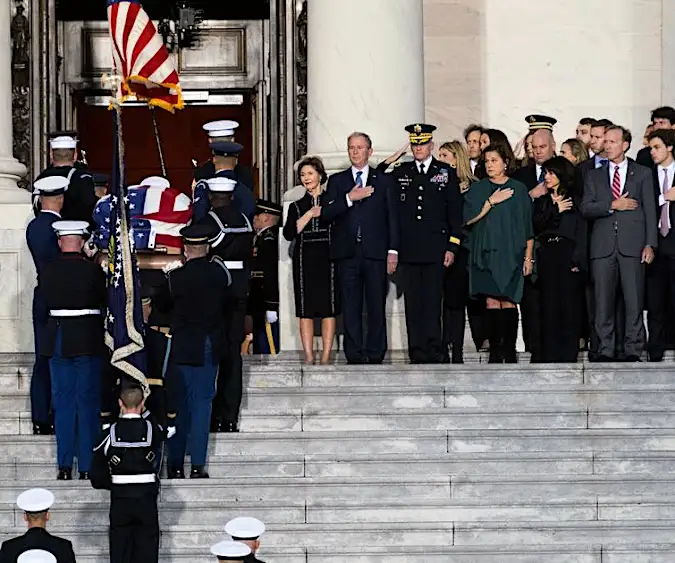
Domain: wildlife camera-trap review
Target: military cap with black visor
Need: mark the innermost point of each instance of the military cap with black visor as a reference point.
(430, 219)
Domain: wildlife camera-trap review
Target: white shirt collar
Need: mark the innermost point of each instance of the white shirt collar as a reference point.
(52, 212)
(622, 165)
(426, 162)
(130, 415)
(670, 169)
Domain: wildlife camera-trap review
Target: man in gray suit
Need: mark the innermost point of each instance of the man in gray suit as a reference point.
(620, 200)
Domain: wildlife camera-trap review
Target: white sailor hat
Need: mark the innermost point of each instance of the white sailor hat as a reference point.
(221, 185)
(36, 556)
(64, 228)
(221, 128)
(245, 528)
(63, 142)
(51, 185)
(35, 500)
(230, 550)
(156, 182)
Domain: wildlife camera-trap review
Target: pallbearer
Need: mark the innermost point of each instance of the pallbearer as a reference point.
(233, 551)
(248, 531)
(75, 296)
(263, 299)
(44, 247)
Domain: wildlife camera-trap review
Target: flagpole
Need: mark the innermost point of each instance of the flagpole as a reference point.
(158, 141)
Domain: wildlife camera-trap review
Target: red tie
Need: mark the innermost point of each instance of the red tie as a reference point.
(616, 184)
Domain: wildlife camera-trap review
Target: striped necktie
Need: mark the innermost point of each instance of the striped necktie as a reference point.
(616, 183)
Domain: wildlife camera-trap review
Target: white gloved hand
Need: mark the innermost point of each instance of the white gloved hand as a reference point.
(90, 249)
(104, 266)
(172, 266)
(272, 316)
(170, 431)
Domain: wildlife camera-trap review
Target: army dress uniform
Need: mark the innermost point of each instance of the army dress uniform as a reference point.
(44, 247)
(263, 299)
(430, 219)
(196, 295)
(232, 242)
(124, 464)
(34, 502)
(80, 199)
(75, 296)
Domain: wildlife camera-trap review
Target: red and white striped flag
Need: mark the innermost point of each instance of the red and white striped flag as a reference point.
(140, 57)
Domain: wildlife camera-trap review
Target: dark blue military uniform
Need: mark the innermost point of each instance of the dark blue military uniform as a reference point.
(243, 197)
(80, 199)
(44, 248)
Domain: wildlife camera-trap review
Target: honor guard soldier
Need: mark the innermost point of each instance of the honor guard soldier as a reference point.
(124, 464)
(247, 531)
(233, 551)
(81, 197)
(35, 504)
(44, 247)
(430, 218)
(225, 155)
(232, 242)
(218, 131)
(75, 296)
(196, 294)
(263, 299)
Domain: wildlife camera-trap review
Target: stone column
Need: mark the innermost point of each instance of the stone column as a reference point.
(365, 72)
(17, 274)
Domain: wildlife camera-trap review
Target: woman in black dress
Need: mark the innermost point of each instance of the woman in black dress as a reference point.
(314, 274)
(561, 257)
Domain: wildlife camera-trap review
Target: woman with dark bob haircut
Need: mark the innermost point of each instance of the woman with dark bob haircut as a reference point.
(498, 214)
(314, 275)
(560, 231)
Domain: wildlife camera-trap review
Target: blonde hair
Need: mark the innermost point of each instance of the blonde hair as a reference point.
(463, 165)
(578, 149)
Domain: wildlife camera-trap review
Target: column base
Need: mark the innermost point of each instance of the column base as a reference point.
(11, 171)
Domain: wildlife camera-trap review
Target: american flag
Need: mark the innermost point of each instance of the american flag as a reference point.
(141, 58)
(124, 319)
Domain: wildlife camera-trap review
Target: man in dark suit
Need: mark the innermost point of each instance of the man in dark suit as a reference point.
(543, 146)
(660, 295)
(662, 118)
(364, 242)
(620, 201)
(35, 504)
(597, 146)
(430, 215)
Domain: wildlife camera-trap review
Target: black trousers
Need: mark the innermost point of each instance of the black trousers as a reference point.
(561, 292)
(530, 309)
(422, 290)
(660, 298)
(227, 401)
(362, 278)
(475, 309)
(455, 300)
(134, 529)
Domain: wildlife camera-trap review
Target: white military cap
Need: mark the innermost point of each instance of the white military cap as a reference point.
(230, 550)
(63, 142)
(51, 185)
(35, 500)
(36, 556)
(245, 528)
(221, 185)
(64, 228)
(156, 182)
(222, 128)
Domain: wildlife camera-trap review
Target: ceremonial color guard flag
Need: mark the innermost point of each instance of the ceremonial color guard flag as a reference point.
(124, 321)
(140, 57)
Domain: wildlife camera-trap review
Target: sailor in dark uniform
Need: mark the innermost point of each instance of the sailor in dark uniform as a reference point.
(35, 504)
(247, 530)
(124, 464)
(232, 242)
(232, 551)
(81, 197)
(100, 185)
(44, 247)
(75, 296)
(263, 299)
(196, 294)
(430, 218)
(224, 158)
(217, 131)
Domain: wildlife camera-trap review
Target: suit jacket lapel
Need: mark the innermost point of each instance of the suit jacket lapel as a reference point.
(630, 180)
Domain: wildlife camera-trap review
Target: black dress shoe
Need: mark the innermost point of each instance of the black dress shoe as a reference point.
(216, 426)
(65, 474)
(84, 475)
(175, 473)
(655, 359)
(198, 472)
(42, 429)
(631, 359)
(603, 359)
(229, 427)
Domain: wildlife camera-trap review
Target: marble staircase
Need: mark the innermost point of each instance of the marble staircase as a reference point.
(473, 463)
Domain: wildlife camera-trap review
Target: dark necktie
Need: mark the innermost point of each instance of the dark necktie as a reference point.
(359, 179)
(541, 176)
(603, 162)
(421, 165)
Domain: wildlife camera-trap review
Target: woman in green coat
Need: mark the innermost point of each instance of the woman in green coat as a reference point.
(498, 212)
